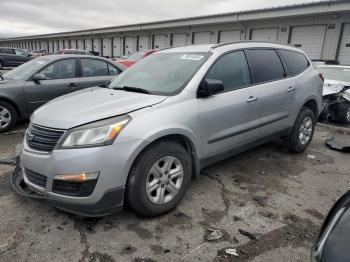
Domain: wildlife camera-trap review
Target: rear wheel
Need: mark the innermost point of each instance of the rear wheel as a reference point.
(8, 116)
(302, 132)
(159, 179)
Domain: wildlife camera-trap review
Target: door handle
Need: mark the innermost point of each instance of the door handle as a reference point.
(74, 85)
(291, 89)
(252, 99)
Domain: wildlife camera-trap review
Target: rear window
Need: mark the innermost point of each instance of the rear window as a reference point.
(296, 62)
(265, 65)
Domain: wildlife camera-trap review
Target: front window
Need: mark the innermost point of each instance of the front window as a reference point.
(20, 52)
(23, 72)
(162, 73)
(336, 73)
(62, 69)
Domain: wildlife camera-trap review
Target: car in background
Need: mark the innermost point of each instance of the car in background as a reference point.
(332, 243)
(132, 59)
(39, 53)
(31, 85)
(13, 57)
(319, 62)
(73, 52)
(336, 92)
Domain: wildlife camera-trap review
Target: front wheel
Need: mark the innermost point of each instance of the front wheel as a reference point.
(159, 178)
(8, 116)
(302, 132)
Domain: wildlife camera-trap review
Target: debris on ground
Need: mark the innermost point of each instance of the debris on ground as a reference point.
(261, 200)
(231, 252)
(311, 156)
(247, 234)
(236, 218)
(214, 234)
(9, 161)
(339, 143)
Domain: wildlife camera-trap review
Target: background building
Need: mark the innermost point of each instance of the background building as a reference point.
(321, 29)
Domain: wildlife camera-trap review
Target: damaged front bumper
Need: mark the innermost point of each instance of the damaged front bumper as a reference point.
(336, 101)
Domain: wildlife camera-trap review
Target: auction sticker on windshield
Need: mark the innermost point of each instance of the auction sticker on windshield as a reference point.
(191, 57)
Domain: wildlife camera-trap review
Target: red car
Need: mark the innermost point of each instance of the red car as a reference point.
(132, 59)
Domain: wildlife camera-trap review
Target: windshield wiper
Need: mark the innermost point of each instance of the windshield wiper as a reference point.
(2, 78)
(133, 89)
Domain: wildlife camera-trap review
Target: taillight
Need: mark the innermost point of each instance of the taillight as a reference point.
(321, 77)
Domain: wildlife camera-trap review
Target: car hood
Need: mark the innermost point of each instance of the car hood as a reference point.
(333, 87)
(7, 81)
(90, 105)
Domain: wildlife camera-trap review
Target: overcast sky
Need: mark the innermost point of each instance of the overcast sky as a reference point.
(32, 17)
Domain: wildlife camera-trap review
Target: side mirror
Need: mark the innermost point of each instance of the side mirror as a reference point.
(38, 77)
(29, 54)
(210, 87)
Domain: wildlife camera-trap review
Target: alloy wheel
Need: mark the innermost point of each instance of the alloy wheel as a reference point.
(305, 130)
(5, 117)
(164, 180)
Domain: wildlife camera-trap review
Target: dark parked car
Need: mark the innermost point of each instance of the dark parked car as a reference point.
(25, 88)
(332, 244)
(13, 57)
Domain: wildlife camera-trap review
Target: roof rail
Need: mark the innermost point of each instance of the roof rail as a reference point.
(248, 41)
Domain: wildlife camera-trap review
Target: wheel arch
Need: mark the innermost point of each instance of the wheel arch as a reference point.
(311, 103)
(15, 106)
(179, 137)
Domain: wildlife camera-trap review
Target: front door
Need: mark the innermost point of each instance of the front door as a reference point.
(230, 118)
(60, 80)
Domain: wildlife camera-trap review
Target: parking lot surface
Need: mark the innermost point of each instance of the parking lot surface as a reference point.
(267, 203)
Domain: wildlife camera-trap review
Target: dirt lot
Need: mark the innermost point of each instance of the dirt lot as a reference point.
(279, 198)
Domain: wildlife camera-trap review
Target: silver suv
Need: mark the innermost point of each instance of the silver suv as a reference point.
(140, 141)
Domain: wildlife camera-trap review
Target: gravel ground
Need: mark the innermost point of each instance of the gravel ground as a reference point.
(266, 203)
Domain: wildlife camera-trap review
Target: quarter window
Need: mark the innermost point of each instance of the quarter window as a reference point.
(232, 70)
(265, 65)
(60, 70)
(94, 67)
(296, 62)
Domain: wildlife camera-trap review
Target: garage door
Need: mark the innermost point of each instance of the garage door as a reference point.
(88, 44)
(344, 51)
(107, 47)
(130, 45)
(55, 46)
(143, 43)
(201, 38)
(264, 34)
(159, 41)
(96, 45)
(117, 47)
(179, 39)
(50, 47)
(310, 39)
(230, 36)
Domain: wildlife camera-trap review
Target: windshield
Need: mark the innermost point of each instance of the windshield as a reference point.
(161, 73)
(23, 72)
(135, 56)
(336, 73)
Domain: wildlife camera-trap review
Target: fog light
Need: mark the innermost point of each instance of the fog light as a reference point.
(79, 177)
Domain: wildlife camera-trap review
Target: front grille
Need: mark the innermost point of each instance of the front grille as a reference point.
(35, 178)
(81, 189)
(42, 138)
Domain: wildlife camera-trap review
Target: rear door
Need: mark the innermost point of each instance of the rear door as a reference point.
(276, 90)
(95, 72)
(230, 118)
(61, 79)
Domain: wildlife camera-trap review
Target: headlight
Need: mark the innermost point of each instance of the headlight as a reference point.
(99, 133)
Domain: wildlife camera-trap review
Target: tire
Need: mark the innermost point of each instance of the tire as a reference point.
(8, 116)
(144, 175)
(296, 142)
